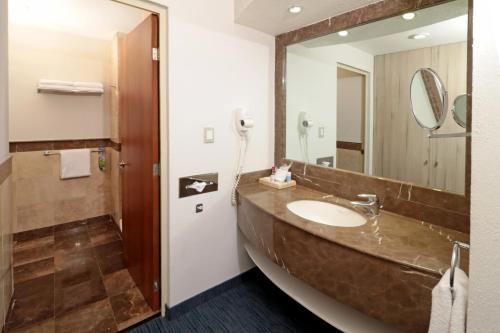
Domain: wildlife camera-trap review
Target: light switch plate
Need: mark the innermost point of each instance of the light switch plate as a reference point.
(321, 132)
(208, 135)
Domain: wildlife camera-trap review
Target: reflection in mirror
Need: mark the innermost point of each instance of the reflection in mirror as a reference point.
(428, 99)
(353, 91)
(460, 110)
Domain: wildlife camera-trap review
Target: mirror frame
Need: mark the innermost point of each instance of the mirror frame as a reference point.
(378, 11)
(444, 99)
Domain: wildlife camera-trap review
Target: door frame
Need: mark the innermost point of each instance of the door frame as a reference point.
(162, 13)
(368, 119)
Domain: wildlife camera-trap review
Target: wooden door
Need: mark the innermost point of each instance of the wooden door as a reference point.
(140, 156)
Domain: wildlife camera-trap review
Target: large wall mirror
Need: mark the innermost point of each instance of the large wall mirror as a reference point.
(351, 104)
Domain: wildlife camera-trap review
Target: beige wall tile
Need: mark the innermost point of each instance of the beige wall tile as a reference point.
(6, 228)
(42, 199)
(116, 186)
(34, 165)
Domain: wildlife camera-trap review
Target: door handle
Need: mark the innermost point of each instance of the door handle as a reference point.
(123, 164)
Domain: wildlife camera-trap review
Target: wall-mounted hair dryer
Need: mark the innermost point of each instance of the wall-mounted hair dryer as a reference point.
(244, 123)
(305, 123)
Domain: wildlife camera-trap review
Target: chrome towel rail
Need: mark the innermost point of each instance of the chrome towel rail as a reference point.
(455, 259)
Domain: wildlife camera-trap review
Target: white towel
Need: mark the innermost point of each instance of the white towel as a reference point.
(56, 83)
(95, 85)
(75, 163)
(449, 307)
(56, 87)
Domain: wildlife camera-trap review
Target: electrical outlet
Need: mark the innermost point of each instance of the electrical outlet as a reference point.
(199, 208)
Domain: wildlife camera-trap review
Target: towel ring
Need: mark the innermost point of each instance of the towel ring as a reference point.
(455, 259)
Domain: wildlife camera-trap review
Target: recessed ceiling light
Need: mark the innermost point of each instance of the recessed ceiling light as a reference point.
(418, 36)
(408, 16)
(343, 33)
(295, 9)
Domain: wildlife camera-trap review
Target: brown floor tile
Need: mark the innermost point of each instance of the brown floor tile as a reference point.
(111, 264)
(103, 233)
(47, 326)
(33, 302)
(74, 296)
(99, 219)
(96, 318)
(33, 243)
(25, 256)
(69, 226)
(108, 250)
(33, 234)
(118, 282)
(86, 270)
(64, 260)
(33, 270)
(129, 305)
(71, 243)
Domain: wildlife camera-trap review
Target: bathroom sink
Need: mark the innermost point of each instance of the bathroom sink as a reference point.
(326, 213)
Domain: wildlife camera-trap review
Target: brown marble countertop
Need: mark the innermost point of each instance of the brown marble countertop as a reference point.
(395, 238)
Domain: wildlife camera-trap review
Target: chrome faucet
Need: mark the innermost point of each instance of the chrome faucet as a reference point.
(372, 204)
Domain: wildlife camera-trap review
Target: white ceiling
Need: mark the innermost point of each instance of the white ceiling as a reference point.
(445, 24)
(91, 18)
(272, 16)
(446, 32)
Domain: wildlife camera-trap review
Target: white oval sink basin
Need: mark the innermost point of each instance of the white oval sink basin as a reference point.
(326, 213)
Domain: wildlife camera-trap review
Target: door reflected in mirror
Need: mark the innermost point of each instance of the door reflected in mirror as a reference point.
(428, 99)
(350, 99)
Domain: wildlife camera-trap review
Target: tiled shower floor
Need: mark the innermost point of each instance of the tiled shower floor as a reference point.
(72, 278)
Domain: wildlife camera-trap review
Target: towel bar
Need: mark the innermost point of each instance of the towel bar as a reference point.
(49, 153)
(455, 259)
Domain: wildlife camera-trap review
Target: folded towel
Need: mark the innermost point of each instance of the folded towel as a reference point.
(449, 307)
(56, 83)
(56, 88)
(88, 90)
(75, 163)
(97, 85)
(71, 89)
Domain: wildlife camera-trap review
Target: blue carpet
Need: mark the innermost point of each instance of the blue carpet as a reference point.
(256, 305)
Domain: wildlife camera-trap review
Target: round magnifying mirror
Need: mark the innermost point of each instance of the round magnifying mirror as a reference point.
(460, 110)
(428, 99)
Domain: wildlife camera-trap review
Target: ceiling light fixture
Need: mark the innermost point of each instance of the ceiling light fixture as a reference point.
(408, 16)
(419, 36)
(295, 9)
(343, 33)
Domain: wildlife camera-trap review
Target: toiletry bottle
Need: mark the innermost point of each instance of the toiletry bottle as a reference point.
(288, 177)
(273, 172)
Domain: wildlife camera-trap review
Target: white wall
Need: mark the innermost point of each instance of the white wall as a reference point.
(311, 85)
(4, 102)
(214, 66)
(36, 53)
(350, 107)
(484, 288)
